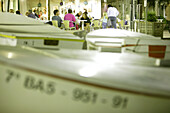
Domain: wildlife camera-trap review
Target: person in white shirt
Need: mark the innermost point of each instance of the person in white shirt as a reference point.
(112, 13)
(44, 16)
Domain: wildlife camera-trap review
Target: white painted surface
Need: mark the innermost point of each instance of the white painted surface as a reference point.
(34, 81)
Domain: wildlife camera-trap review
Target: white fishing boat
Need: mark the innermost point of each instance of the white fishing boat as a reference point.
(127, 41)
(21, 30)
(77, 81)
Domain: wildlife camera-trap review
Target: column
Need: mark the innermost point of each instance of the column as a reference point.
(164, 10)
(15, 6)
(131, 15)
(18, 4)
(146, 11)
(5, 5)
(1, 5)
(156, 7)
(77, 4)
(23, 6)
(48, 8)
(11, 4)
(8, 5)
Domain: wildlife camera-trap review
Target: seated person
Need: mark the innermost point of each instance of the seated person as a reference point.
(11, 11)
(34, 12)
(70, 17)
(31, 15)
(57, 17)
(18, 12)
(87, 22)
(78, 15)
(44, 16)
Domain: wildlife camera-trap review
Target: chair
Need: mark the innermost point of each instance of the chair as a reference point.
(67, 25)
(122, 25)
(100, 24)
(127, 25)
(55, 23)
(91, 25)
(96, 24)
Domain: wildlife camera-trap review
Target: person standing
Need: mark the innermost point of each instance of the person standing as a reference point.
(112, 13)
(168, 16)
(57, 17)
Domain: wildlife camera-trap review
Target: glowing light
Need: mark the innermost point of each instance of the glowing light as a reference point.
(158, 61)
(89, 71)
(10, 55)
